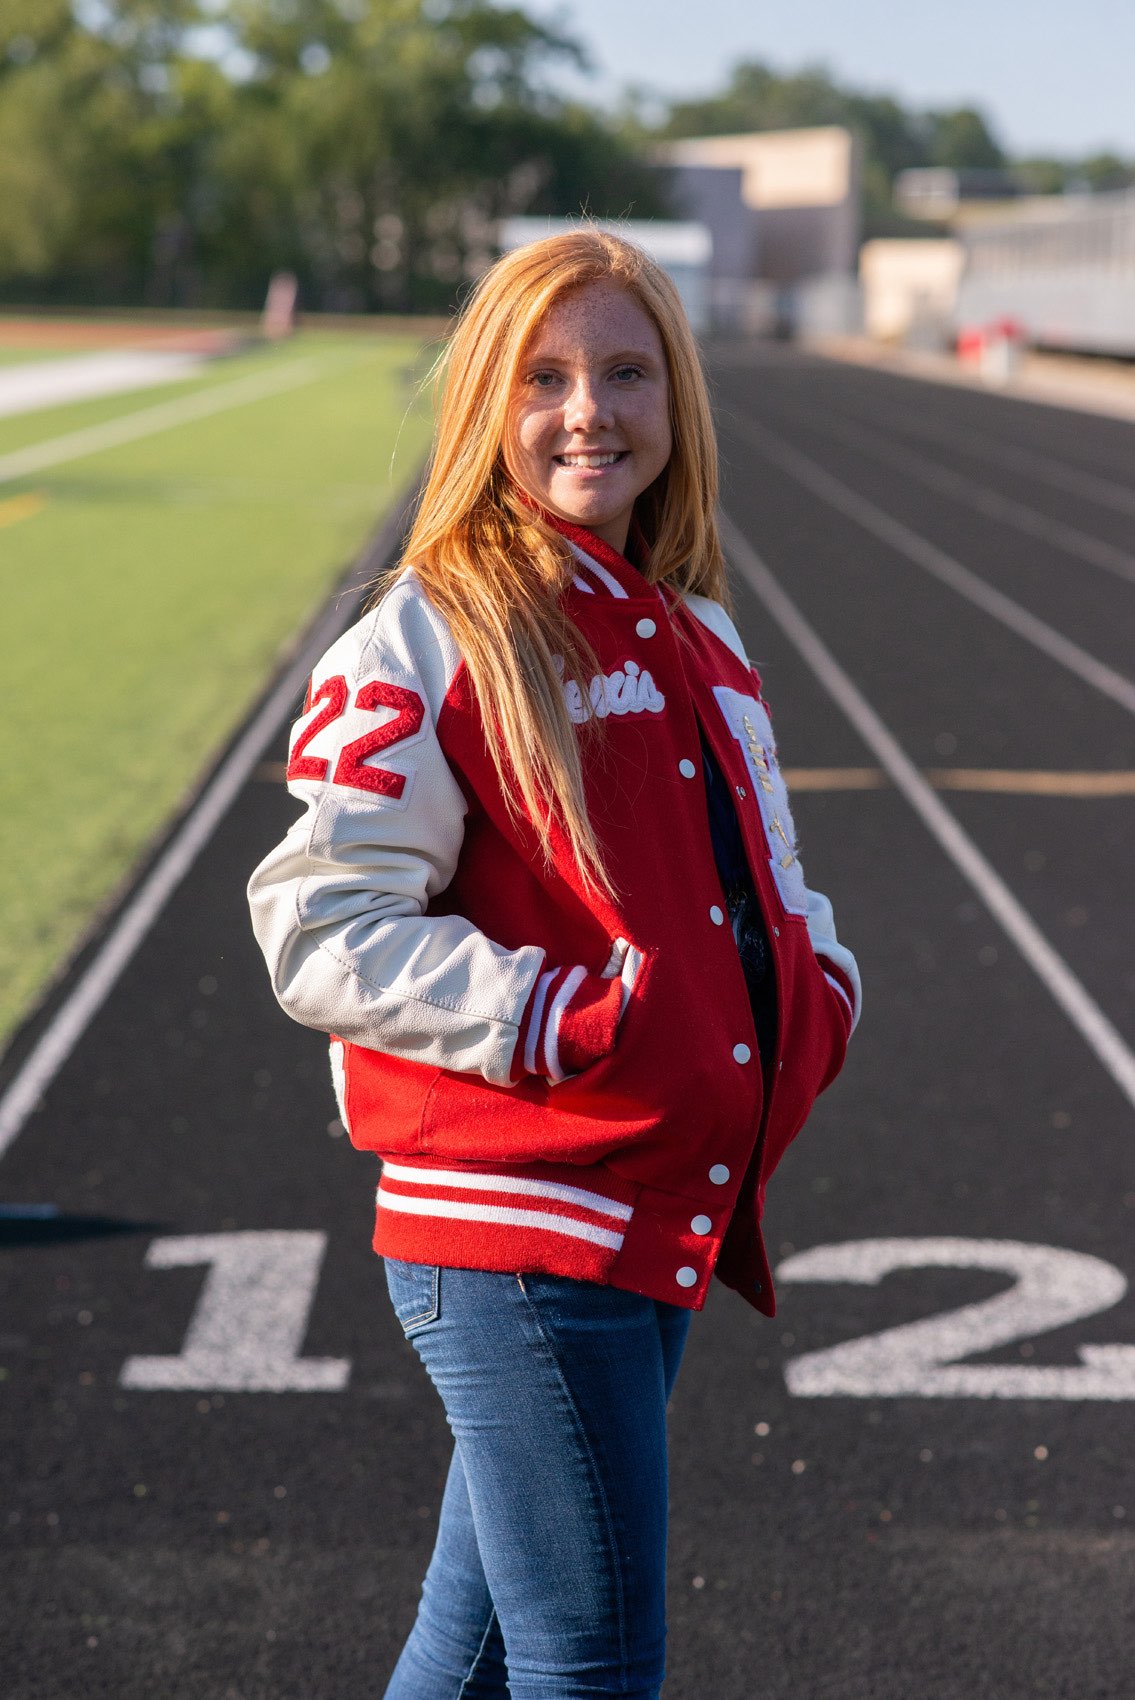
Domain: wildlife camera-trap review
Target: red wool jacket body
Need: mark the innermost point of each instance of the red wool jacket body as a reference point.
(554, 1081)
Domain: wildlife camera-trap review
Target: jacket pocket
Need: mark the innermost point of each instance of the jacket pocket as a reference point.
(579, 1024)
(415, 1293)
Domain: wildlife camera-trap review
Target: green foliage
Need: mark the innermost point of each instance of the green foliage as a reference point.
(179, 151)
(893, 137)
(1105, 171)
(163, 579)
(962, 138)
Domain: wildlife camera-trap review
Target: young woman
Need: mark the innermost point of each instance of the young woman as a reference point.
(546, 897)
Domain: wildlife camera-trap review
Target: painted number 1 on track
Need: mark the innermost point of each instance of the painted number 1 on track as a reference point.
(247, 1330)
(248, 1327)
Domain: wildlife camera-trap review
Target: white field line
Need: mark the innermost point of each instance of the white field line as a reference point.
(1105, 492)
(21, 463)
(1076, 1002)
(977, 496)
(70, 1021)
(941, 566)
(38, 384)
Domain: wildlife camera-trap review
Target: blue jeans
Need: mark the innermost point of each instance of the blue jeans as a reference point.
(547, 1581)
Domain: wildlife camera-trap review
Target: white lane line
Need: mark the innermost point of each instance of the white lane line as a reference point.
(73, 1016)
(1076, 1002)
(941, 566)
(1006, 509)
(1105, 492)
(161, 417)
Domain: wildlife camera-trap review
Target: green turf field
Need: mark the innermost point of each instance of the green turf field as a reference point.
(12, 355)
(149, 591)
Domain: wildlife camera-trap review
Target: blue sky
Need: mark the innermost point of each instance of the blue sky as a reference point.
(1052, 77)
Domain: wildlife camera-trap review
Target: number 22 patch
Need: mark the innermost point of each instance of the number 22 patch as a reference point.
(352, 767)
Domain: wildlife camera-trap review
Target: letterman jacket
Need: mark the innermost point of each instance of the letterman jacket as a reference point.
(554, 1081)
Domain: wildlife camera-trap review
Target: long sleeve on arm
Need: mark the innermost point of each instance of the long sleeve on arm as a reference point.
(339, 906)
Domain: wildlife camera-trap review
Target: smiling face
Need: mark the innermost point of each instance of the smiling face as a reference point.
(589, 415)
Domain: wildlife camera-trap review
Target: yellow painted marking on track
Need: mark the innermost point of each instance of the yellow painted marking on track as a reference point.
(1033, 784)
(1017, 782)
(21, 507)
(835, 778)
(1007, 781)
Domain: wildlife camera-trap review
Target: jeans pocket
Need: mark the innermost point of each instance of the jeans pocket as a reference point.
(415, 1293)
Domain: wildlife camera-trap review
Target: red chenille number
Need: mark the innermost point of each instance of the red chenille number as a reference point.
(333, 693)
(350, 769)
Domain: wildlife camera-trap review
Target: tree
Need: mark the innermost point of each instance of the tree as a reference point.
(962, 138)
(894, 138)
(102, 122)
(368, 145)
(403, 129)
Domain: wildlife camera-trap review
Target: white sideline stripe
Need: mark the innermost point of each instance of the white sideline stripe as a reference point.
(1076, 1002)
(579, 585)
(541, 1219)
(977, 496)
(834, 983)
(162, 417)
(941, 566)
(40, 384)
(509, 1183)
(68, 1024)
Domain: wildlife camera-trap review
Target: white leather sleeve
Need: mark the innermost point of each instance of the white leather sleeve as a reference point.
(338, 906)
(820, 920)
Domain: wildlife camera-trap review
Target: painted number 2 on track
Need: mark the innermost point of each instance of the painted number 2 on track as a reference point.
(1050, 1289)
(247, 1330)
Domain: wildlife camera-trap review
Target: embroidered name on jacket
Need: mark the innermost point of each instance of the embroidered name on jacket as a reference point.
(628, 690)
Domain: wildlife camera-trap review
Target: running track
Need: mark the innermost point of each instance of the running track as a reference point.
(222, 1460)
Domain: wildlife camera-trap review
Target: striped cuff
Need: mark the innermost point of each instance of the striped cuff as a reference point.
(844, 986)
(568, 1024)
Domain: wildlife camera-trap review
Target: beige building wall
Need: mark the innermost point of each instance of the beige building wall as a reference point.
(802, 185)
(908, 282)
(780, 168)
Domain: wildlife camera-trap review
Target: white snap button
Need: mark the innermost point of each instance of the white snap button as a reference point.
(686, 768)
(719, 1174)
(776, 931)
(686, 1277)
(740, 791)
(646, 628)
(716, 915)
(701, 1224)
(741, 1053)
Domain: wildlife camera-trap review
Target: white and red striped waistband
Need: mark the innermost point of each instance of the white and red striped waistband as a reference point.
(536, 1203)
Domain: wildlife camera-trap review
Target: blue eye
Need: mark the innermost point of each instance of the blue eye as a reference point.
(542, 380)
(625, 372)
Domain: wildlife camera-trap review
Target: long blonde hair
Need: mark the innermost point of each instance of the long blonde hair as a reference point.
(497, 571)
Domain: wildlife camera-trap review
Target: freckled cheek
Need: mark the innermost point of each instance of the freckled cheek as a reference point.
(535, 438)
(650, 425)
(518, 453)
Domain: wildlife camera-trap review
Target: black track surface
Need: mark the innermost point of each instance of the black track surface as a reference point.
(268, 1545)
